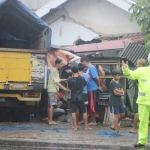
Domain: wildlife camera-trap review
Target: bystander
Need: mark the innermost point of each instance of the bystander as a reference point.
(53, 89)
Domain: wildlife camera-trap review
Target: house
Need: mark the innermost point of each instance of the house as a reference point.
(73, 20)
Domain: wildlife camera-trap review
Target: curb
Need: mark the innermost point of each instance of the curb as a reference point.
(58, 146)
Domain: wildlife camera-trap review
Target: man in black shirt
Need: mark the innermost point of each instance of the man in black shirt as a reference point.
(76, 84)
(115, 103)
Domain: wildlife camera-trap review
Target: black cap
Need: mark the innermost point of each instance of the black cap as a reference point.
(67, 67)
(115, 72)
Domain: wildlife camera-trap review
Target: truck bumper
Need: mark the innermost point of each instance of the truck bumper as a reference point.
(19, 97)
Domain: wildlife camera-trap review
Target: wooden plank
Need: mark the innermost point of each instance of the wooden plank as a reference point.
(38, 51)
(38, 68)
(40, 41)
(37, 43)
(108, 118)
(104, 122)
(12, 43)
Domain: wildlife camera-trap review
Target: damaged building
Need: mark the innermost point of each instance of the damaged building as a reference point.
(75, 22)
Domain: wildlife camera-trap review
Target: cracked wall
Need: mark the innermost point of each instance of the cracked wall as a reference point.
(98, 16)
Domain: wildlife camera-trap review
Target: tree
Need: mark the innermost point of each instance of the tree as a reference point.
(141, 13)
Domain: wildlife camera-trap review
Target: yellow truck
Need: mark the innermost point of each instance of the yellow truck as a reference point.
(24, 42)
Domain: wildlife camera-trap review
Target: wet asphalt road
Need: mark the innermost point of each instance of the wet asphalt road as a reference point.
(36, 135)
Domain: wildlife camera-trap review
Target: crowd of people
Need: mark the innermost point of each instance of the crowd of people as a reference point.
(82, 88)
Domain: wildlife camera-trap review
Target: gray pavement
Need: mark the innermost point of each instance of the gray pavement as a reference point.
(62, 136)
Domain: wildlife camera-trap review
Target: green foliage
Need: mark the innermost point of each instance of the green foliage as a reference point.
(147, 42)
(141, 13)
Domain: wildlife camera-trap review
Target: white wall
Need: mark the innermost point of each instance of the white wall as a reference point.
(34, 4)
(101, 16)
(123, 4)
(66, 33)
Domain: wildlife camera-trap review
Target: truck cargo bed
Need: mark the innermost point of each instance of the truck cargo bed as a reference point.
(19, 69)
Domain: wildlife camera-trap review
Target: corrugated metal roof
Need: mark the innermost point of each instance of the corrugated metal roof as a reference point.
(134, 52)
(131, 51)
(104, 53)
(115, 44)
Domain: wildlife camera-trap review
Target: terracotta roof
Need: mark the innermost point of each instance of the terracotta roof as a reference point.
(135, 37)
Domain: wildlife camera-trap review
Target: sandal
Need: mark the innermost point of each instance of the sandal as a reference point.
(82, 122)
(139, 145)
(52, 123)
(112, 128)
(117, 134)
(133, 132)
(92, 124)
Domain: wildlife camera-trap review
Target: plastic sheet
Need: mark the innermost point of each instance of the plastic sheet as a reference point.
(17, 128)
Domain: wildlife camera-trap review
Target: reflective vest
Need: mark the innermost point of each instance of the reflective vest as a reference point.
(143, 76)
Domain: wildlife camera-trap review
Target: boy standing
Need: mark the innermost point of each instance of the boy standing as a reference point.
(115, 103)
(84, 92)
(76, 84)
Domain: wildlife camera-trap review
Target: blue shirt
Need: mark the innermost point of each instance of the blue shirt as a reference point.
(86, 77)
(47, 76)
(92, 85)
